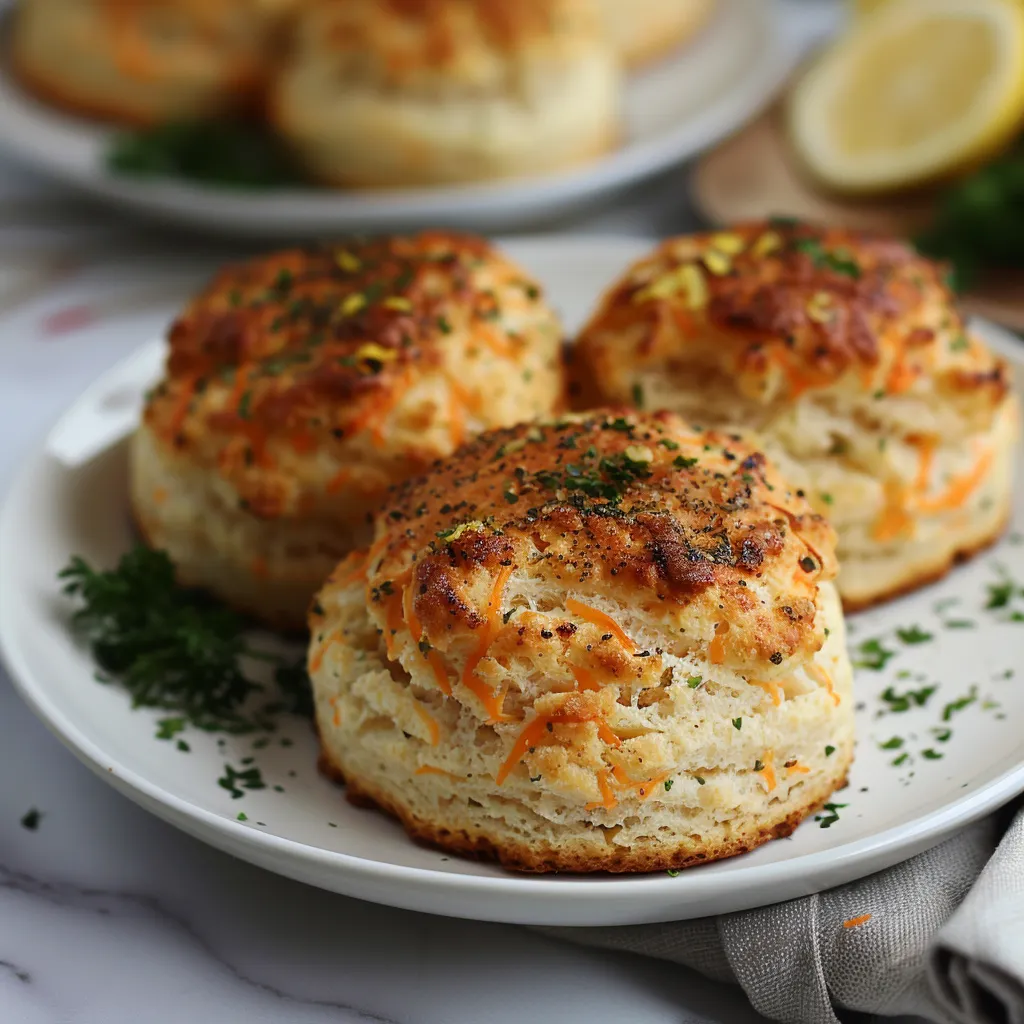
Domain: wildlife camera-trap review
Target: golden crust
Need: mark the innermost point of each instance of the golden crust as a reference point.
(145, 62)
(641, 503)
(402, 43)
(300, 385)
(785, 308)
(303, 353)
(540, 859)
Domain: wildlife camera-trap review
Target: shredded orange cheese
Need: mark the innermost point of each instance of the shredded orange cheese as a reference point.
(337, 712)
(767, 773)
(926, 458)
(429, 769)
(901, 377)
(960, 488)
(416, 629)
(492, 622)
(338, 481)
(431, 723)
(645, 787)
(894, 520)
(716, 649)
(853, 922)
(318, 657)
(796, 766)
(771, 687)
(815, 671)
(536, 730)
(602, 620)
(584, 679)
(608, 798)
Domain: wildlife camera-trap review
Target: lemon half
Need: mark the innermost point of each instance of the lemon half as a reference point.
(917, 90)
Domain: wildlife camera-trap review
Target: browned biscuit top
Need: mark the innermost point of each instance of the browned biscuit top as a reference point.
(692, 525)
(788, 307)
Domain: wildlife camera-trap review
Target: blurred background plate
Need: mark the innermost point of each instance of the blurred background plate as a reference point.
(673, 110)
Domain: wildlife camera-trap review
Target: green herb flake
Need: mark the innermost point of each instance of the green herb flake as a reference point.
(699, 779)
(892, 744)
(829, 750)
(942, 735)
(914, 635)
(242, 816)
(737, 723)
(902, 759)
(31, 818)
(673, 872)
(184, 747)
(872, 655)
(681, 462)
(931, 755)
(668, 784)
(235, 781)
(694, 681)
(828, 819)
(958, 705)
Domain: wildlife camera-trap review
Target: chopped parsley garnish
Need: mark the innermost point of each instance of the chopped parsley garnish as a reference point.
(31, 819)
(668, 443)
(960, 624)
(840, 261)
(960, 344)
(958, 705)
(236, 782)
(828, 819)
(931, 755)
(900, 702)
(174, 648)
(942, 735)
(668, 784)
(1000, 594)
(902, 759)
(893, 744)
(681, 462)
(672, 872)
(737, 723)
(699, 780)
(829, 750)
(827, 498)
(872, 655)
(694, 681)
(914, 635)
(242, 816)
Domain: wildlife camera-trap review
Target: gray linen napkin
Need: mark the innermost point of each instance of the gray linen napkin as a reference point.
(945, 940)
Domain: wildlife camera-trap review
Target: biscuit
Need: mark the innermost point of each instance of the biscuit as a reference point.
(389, 93)
(608, 642)
(144, 62)
(302, 384)
(848, 355)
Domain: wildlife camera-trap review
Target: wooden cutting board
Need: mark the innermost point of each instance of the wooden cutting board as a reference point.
(754, 175)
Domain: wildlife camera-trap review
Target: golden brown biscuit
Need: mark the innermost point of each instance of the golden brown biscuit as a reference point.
(383, 93)
(301, 384)
(606, 642)
(643, 30)
(146, 61)
(848, 355)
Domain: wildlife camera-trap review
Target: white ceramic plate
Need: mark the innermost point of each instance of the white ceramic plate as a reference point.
(672, 111)
(309, 832)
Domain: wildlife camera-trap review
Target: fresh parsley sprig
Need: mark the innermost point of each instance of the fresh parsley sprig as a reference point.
(175, 648)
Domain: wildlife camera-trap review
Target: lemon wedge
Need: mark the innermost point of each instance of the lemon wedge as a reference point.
(915, 91)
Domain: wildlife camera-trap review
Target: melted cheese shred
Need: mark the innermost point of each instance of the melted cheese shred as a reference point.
(416, 629)
(431, 723)
(767, 773)
(533, 732)
(772, 688)
(492, 623)
(817, 673)
(602, 620)
(429, 769)
(584, 678)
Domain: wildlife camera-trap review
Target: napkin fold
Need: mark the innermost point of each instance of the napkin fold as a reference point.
(940, 936)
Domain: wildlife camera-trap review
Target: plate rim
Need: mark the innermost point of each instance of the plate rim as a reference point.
(485, 202)
(404, 886)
